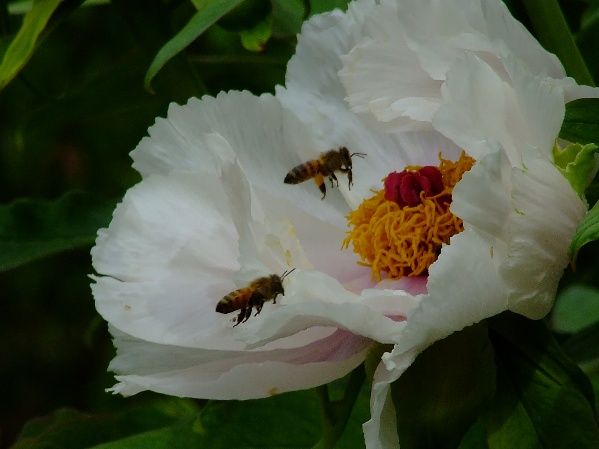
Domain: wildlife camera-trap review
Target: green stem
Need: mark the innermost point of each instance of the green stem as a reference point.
(335, 414)
(554, 34)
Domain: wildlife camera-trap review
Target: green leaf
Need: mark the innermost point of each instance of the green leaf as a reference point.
(543, 399)
(149, 424)
(245, 16)
(577, 164)
(581, 122)
(440, 396)
(287, 17)
(588, 231)
(475, 438)
(201, 20)
(290, 420)
(583, 345)
(320, 6)
(255, 39)
(21, 48)
(31, 229)
(576, 307)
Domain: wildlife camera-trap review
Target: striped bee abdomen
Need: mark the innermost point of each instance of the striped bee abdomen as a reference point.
(303, 172)
(235, 300)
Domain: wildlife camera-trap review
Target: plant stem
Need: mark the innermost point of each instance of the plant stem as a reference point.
(336, 414)
(554, 34)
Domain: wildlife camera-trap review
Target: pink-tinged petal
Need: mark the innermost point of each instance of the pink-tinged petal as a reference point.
(200, 373)
(315, 299)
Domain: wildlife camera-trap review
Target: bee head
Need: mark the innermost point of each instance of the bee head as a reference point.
(346, 156)
(280, 280)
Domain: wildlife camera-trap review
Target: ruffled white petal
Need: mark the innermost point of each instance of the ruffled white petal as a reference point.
(394, 73)
(200, 373)
(383, 77)
(267, 141)
(535, 211)
(464, 288)
(547, 212)
(315, 299)
(323, 39)
(439, 32)
(479, 106)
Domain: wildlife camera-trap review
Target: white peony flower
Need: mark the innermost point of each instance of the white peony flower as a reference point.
(211, 215)
(483, 82)
(212, 212)
(394, 73)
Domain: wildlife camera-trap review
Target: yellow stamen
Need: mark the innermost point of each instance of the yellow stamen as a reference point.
(406, 241)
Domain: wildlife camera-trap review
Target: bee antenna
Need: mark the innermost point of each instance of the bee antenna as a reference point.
(287, 273)
(358, 154)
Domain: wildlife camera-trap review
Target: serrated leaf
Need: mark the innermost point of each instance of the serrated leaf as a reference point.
(577, 163)
(588, 231)
(201, 20)
(581, 122)
(256, 38)
(440, 396)
(543, 399)
(31, 229)
(21, 48)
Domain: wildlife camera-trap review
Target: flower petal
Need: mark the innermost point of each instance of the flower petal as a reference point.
(315, 299)
(384, 79)
(394, 73)
(199, 373)
(546, 216)
(479, 106)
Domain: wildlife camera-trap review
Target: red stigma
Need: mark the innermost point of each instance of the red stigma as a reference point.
(404, 188)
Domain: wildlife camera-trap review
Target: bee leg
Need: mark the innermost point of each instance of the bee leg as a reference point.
(259, 307)
(349, 175)
(332, 178)
(319, 180)
(248, 312)
(240, 317)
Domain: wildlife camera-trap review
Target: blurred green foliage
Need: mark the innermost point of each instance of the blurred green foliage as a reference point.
(69, 117)
(68, 121)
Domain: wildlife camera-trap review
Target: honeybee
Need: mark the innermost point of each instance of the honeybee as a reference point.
(328, 163)
(254, 295)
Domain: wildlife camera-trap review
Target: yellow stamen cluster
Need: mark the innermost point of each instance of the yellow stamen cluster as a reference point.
(406, 241)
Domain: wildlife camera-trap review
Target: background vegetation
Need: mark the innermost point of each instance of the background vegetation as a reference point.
(68, 121)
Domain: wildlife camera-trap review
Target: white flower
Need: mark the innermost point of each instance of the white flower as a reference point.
(469, 71)
(394, 73)
(212, 214)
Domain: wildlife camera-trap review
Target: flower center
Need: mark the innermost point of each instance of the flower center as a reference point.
(401, 229)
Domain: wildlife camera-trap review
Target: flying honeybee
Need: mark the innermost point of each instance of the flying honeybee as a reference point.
(254, 295)
(328, 163)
